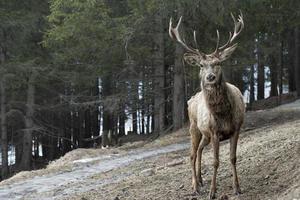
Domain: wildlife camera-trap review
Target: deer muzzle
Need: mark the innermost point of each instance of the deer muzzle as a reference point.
(211, 77)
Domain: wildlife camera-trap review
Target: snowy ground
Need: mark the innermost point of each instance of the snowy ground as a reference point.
(268, 165)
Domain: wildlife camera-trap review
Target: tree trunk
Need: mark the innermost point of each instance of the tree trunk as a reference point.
(274, 76)
(96, 115)
(178, 90)
(107, 127)
(252, 81)
(87, 126)
(139, 122)
(291, 63)
(178, 85)
(107, 113)
(134, 107)
(4, 142)
(97, 124)
(143, 119)
(27, 139)
(261, 81)
(148, 120)
(75, 129)
(79, 129)
(159, 73)
(142, 104)
(61, 133)
(296, 57)
(281, 68)
(260, 73)
(67, 132)
(81, 115)
(122, 118)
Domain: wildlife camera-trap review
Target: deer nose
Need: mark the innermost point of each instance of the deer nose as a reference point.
(210, 77)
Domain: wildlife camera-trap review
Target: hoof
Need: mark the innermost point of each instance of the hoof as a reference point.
(237, 191)
(201, 182)
(197, 188)
(212, 195)
(196, 193)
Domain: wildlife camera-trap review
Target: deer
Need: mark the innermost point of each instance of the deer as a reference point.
(216, 112)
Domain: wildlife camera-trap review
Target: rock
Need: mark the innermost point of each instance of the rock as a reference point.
(266, 183)
(116, 198)
(147, 172)
(267, 176)
(180, 187)
(175, 162)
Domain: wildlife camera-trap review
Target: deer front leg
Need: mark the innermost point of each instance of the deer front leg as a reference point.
(215, 146)
(233, 146)
(204, 141)
(195, 139)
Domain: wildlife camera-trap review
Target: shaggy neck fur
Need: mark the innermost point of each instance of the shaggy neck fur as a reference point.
(217, 99)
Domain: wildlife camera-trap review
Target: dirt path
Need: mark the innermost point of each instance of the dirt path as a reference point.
(268, 165)
(56, 185)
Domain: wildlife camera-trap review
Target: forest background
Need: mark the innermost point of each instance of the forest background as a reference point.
(87, 73)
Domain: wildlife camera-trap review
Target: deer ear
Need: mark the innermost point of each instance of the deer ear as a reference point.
(226, 53)
(192, 59)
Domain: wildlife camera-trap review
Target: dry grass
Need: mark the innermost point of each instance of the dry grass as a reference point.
(268, 165)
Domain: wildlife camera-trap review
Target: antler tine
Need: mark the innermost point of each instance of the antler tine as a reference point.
(174, 34)
(170, 29)
(195, 39)
(228, 41)
(218, 41)
(238, 27)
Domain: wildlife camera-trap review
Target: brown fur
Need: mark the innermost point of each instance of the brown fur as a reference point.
(215, 115)
(217, 112)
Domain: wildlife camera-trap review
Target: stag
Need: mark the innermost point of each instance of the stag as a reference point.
(217, 112)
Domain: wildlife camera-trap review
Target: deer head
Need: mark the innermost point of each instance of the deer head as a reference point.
(210, 64)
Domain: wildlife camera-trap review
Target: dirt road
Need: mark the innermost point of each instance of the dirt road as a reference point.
(56, 185)
(268, 165)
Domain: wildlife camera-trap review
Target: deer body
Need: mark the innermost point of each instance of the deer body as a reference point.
(213, 122)
(224, 117)
(217, 112)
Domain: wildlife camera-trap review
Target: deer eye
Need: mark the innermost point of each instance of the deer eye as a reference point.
(193, 62)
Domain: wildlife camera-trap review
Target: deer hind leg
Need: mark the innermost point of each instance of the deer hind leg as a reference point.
(204, 141)
(233, 146)
(215, 146)
(195, 139)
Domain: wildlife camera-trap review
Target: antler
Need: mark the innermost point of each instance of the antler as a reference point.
(238, 27)
(174, 34)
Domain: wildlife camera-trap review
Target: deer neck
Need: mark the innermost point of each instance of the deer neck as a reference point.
(217, 99)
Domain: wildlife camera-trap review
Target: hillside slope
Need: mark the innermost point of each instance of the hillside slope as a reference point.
(268, 165)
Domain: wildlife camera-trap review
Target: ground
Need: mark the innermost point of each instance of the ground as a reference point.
(268, 166)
